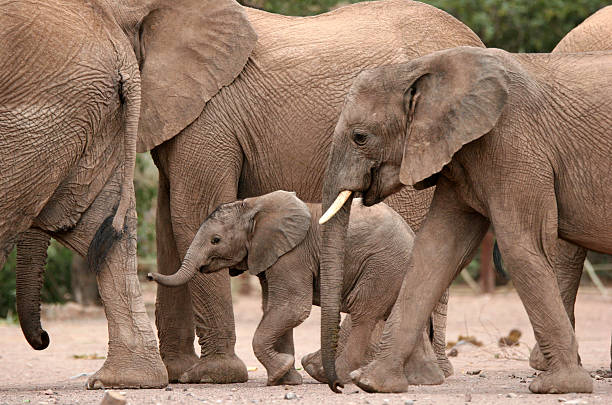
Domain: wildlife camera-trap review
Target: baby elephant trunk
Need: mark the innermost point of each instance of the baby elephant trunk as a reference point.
(182, 276)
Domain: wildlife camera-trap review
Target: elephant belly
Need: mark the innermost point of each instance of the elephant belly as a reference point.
(587, 223)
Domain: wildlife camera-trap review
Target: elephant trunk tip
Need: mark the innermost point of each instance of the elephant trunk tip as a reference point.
(150, 277)
(335, 385)
(39, 341)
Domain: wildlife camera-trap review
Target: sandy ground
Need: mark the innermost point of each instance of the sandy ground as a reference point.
(52, 376)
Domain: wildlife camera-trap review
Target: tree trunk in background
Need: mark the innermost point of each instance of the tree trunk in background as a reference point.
(487, 277)
(84, 284)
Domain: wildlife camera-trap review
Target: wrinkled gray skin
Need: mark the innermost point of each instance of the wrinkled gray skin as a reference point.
(276, 237)
(269, 130)
(75, 80)
(519, 142)
(594, 34)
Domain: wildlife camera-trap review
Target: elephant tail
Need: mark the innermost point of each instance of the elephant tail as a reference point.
(113, 226)
(498, 262)
(129, 94)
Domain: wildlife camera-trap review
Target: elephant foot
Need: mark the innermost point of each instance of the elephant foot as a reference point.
(423, 372)
(130, 371)
(291, 378)
(313, 365)
(446, 366)
(379, 376)
(283, 364)
(216, 369)
(539, 362)
(179, 364)
(571, 379)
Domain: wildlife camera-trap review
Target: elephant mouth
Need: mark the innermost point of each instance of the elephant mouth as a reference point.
(384, 181)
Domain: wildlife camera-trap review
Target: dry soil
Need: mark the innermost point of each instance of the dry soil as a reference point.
(56, 376)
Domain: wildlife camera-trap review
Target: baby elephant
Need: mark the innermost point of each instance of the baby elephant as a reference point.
(276, 237)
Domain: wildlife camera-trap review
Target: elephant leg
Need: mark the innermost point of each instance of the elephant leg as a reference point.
(453, 231)
(353, 354)
(271, 345)
(287, 303)
(284, 343)
(203, 170)
(422, 366)
(528, 240)
(568, 262)
(133, 359)
(173, 311)
(439, 334)
(313, 363)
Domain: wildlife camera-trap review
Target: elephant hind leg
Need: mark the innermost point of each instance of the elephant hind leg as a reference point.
(313, 363)
(528, 239)
(568, 262)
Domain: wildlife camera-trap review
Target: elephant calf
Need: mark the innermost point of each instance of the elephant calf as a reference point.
(276, 237)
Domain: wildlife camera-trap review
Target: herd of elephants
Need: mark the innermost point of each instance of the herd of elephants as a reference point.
(390, 100)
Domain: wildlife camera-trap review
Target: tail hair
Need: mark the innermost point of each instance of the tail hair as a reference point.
(103, 241)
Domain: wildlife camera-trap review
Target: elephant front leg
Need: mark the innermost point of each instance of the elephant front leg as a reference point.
(173, 311)
(197, 179)
(133, 359)
(447, 241)
(268, 344)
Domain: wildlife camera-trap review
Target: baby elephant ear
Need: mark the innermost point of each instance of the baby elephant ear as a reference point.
(458, 97)
(280, 223)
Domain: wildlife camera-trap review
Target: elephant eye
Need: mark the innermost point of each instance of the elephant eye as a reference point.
(214, 240)
(360, 138)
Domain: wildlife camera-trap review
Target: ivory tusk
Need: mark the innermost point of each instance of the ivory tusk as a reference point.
(335, 207)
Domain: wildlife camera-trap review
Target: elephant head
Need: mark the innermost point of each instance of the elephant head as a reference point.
(248, 234)
(400, 125)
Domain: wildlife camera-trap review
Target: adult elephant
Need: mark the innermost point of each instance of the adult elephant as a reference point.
(75, 79)
(507, 144)
(593, 34)
(271, 129)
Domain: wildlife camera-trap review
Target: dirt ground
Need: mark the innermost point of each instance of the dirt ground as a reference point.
(55, 376)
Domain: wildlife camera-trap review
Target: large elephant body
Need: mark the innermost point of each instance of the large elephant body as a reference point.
(520, 142)
(271, 129)
(75, 79)
(593, 34)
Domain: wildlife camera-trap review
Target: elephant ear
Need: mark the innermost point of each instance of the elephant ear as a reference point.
(457, 97)
(189, 50)
(280, 223)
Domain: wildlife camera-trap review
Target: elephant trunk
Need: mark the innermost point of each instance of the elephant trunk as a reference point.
(332, 262)
(31, 259)
(183, 275)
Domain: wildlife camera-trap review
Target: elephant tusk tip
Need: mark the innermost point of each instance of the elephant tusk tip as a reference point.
(335, 207)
